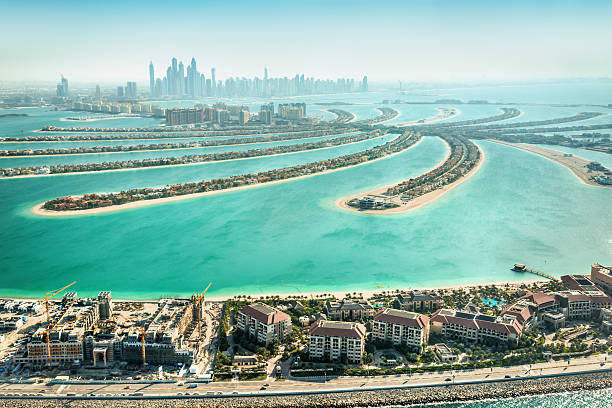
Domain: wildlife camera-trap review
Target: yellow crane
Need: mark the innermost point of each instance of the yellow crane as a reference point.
(49, 329)
(45, 300)
(199, 299)
(143, 333)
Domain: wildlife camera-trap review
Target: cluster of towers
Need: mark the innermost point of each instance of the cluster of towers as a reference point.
(179, 81)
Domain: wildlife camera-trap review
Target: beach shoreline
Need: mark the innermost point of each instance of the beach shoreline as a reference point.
(182, 164)
(39, 210)
(439, 117)
(417, 202)
(339, 294)
(575, 164)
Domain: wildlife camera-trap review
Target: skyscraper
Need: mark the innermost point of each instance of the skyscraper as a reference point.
(130, 90)
(151, 78)
(180, 79)
(214, 82)
(98, 96)
(364, 84)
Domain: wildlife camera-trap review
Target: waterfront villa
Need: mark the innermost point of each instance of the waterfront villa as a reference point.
(401, 328)
(349, 310)
(264, 323)
(333, 341)
(419, 300)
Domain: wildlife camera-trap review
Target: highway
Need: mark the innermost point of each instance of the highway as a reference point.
(127, 389)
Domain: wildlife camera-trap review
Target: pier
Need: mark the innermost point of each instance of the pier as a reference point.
(523, 268)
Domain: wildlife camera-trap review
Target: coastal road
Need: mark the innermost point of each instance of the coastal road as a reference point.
(294, 386)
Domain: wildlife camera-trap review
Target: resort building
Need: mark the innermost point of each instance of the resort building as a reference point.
(401, 328)
(333, 341)
(529, 309)
(602, 276)
(419, 300)
(264, 323)
(475, 328)
(582, 305)
(349, 310)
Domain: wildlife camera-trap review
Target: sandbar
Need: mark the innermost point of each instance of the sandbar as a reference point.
(443, 115)
(417, 202)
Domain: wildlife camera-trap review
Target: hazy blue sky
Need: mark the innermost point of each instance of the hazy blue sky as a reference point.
(387, 40)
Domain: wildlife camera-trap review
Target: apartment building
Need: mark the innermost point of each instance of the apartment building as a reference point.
(349, 310)
(401, 328)
(334, 340)
(264, 323)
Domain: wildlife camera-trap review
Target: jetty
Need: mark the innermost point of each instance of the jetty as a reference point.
(523, 268)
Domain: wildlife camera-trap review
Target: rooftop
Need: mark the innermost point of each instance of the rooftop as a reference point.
(337, 329)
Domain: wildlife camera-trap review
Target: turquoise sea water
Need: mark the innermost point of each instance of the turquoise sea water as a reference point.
(581, 399)
(291, 237)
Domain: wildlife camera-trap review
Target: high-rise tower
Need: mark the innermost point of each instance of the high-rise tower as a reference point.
(214, 82)
(151, 78)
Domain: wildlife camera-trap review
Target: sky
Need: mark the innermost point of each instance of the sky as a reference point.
(409, 40)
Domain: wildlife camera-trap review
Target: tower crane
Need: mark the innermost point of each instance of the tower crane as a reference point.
(199, 299)
(45, 300)
(48, 331)
(143, 333)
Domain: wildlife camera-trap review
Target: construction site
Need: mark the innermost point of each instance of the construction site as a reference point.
(98, 338)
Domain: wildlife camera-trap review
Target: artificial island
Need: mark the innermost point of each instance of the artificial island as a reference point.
(226, 126)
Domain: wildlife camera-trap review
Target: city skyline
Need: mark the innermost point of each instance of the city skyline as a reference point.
(421, 41)
(179, 81)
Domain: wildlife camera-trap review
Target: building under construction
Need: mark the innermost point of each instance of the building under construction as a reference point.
(94, 332)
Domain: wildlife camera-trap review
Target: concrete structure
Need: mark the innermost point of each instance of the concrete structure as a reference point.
(554, 320)
(475, 328)
(401, 328)
(105, 304)
(349, 310)
(333, 341)
(264, 323)
(445, 354)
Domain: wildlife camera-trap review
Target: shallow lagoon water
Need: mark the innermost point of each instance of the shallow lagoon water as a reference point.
(291, 237)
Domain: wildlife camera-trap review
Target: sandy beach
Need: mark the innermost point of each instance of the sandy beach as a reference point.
(443, 115)
(368, 293)
(103, 118)
(172, 148)
(417, 202)
(575, 164)
(185, 164)
(339, 294)
(39, 210)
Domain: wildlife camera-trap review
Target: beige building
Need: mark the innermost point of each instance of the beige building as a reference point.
(401, 328)
(349, 310)
(475, 328)
(333, 341)
(602, 276)
(264, 323)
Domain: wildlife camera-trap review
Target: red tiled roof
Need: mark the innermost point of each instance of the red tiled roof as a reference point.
(402, 318)
(264, 313)
(539, 298)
